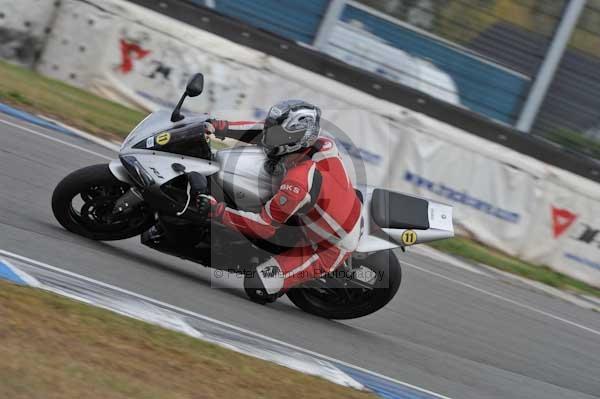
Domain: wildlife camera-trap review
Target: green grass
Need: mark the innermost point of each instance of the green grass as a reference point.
(35, 93)
(575, 141)
(32, 92)
(53, 347)
(479, 253)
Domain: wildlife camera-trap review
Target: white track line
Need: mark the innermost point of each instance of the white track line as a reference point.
(214, 321)
(446, 259)
(531, 308)
(55, 139)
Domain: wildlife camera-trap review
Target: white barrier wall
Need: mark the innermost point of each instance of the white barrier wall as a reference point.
(502, 198)
(23, 28)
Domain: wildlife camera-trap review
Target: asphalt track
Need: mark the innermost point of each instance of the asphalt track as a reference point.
(449, 330)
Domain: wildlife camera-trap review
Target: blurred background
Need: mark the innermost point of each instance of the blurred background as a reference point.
(483, 55)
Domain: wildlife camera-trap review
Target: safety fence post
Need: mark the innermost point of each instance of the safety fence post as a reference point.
(332, 15)
(550, 64)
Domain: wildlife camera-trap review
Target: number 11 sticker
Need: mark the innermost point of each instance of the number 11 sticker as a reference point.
(409, 237)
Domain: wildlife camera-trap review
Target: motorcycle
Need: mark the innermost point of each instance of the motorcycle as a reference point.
(146, 191)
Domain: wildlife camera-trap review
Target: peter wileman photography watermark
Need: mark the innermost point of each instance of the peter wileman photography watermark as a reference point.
(362, 274)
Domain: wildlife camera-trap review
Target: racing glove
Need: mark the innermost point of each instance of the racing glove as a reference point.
(208, 205)
(209, 130)
(218, 127)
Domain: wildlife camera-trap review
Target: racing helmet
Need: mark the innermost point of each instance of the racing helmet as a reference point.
(290, 126)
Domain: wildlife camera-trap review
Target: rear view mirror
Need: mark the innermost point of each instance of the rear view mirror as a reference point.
(193, 89)
(195, 85)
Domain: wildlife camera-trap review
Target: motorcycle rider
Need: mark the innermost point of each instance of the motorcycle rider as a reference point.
(315, 188)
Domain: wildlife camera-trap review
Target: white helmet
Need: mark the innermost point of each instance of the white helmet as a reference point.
(290, 126)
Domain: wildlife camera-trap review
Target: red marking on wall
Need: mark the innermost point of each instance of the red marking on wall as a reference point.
(561, 220)
(129, 52)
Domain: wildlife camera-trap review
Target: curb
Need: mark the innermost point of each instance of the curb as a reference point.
(52, 124)
(36, 120)
(15, 275)
(111, 145)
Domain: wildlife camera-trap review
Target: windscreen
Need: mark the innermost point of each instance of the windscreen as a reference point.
(157, 122)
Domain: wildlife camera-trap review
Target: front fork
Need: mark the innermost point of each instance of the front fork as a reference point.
(127, 202)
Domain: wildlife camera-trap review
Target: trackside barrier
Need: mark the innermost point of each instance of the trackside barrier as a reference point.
(510, 201)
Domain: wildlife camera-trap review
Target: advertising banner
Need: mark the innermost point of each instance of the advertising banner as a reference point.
(566, 233)
(493, 201)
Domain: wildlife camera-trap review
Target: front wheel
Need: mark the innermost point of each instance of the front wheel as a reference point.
(83, 202)
(372, 283)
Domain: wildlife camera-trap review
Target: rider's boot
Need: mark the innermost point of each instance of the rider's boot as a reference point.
(256, 290)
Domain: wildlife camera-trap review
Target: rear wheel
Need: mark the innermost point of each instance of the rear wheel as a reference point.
(83, 202)
(372, 284)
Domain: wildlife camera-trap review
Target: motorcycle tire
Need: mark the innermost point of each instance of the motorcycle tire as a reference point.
(93, 181)
(383, 263)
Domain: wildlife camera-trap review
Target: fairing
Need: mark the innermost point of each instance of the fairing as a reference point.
(240, 172)
(373, 238)
(244, 178)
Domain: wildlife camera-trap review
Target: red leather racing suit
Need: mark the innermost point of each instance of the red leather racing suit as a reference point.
(316, 189)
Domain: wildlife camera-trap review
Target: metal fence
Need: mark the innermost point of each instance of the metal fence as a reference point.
(490, 56)
(571, 110)
(492, 49)
(516, 38)
(292, 19)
